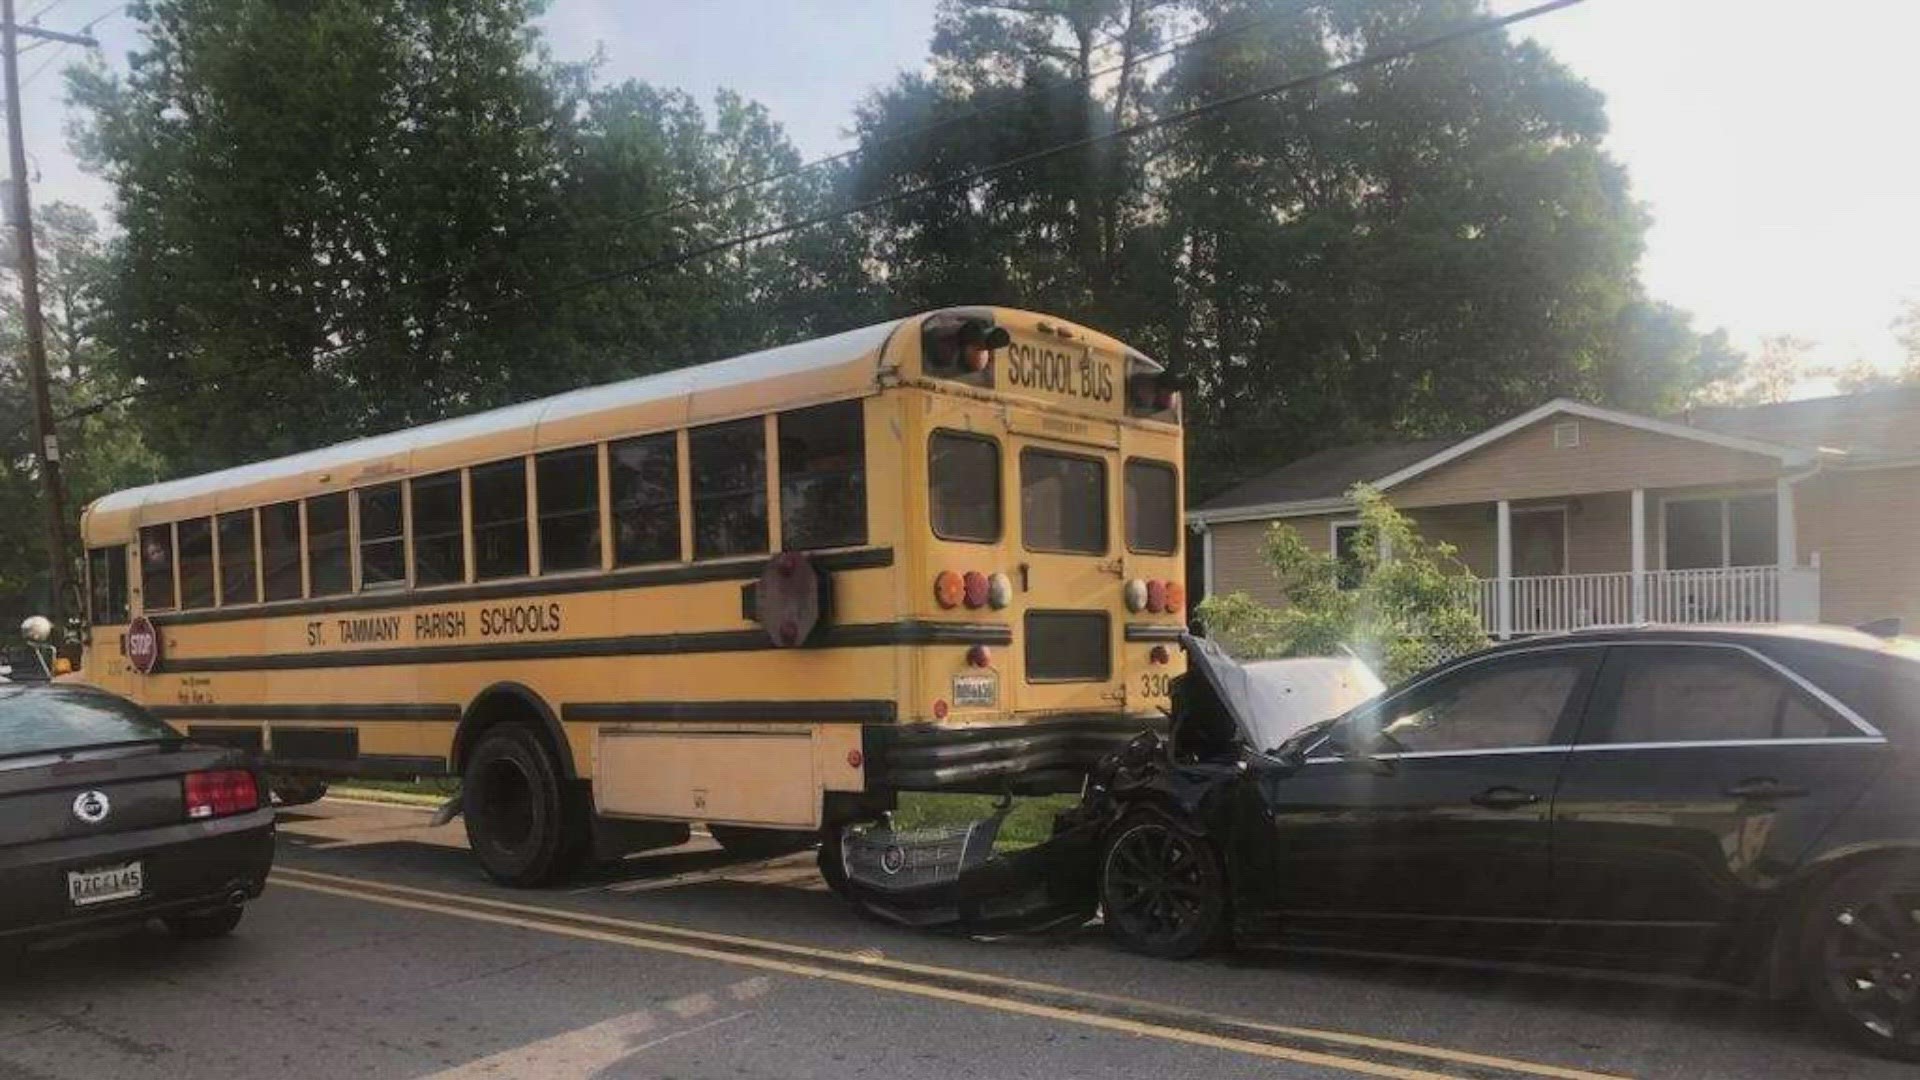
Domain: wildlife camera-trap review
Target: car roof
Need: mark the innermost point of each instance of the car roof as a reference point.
(1754, 635)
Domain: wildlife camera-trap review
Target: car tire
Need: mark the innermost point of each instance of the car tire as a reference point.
(832, 860)
(1163, 890)
(1861, 951)
(524, 825)
(206, 924)
(743, 842)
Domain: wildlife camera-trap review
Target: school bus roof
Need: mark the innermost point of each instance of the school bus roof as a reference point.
(822, 369)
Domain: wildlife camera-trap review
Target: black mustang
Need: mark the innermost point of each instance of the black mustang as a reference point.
(1747, 799)
(108, 815)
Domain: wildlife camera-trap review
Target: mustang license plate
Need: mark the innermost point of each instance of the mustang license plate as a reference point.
(99, 885)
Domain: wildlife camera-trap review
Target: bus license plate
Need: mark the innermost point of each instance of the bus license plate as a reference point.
(105, 883)
(976, 691)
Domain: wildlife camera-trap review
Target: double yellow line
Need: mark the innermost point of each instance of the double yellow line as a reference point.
(1362, 1054)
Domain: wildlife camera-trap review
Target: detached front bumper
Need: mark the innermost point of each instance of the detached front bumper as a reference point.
(1045, 757)
(953, 877)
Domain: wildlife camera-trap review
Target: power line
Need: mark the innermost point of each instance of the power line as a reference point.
(963, 180)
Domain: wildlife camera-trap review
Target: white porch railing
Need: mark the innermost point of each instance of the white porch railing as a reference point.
(1739, 594)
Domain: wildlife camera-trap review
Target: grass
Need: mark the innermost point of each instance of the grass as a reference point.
(1030, 821)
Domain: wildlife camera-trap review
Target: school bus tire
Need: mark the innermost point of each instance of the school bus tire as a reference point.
(524, 821)
(831, 859)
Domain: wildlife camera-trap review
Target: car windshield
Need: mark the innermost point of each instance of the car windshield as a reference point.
(39, 720)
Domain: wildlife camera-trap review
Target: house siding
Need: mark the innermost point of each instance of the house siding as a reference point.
(1610, 458)
(1862, 525)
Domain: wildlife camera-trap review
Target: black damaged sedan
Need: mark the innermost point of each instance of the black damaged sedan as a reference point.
(108, 815)
(1744, 801)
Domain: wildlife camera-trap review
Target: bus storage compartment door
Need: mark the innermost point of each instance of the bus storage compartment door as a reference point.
(726, 775)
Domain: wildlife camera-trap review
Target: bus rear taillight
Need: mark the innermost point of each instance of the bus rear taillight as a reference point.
(948, 589)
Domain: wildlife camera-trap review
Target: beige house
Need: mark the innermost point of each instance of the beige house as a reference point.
(1574, 515)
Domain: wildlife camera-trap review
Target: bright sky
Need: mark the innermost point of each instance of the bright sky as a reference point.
(1772, 140)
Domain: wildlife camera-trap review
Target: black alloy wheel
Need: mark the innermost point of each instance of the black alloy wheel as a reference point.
(1162, 889)
(521, 820)
(1863, 939)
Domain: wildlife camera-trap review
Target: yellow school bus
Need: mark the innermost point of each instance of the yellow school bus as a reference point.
(766, 593)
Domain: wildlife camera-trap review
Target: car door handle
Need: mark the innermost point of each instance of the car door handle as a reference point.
(1505, 798)
(1765, 787)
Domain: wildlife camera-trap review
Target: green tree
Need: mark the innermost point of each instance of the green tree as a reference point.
(1782, 365)
(1399, 601)
(1008, 79)
(326, 208)
(102, 450)
(1418, 249)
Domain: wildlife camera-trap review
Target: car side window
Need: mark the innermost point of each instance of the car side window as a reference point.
(1494, 705)
(1690, 694)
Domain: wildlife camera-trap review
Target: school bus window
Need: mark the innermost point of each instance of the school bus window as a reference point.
(1063, 502)
(729, 473)
(1153, 520)
(439, 535)
(329, 567)
(383, 540)
(823, 477)
(500, 519)
(156, 567)
(568, 482)
(196, 563)
(963, 486)
(107, 585)
(280, 551)
(237, 577)
(644, 475)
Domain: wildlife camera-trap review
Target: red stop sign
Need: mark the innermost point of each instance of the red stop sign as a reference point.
(143, 645)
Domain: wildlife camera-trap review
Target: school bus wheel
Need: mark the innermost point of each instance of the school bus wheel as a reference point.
(521, 821)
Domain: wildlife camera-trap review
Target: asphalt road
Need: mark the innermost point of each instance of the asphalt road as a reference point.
(381, 951)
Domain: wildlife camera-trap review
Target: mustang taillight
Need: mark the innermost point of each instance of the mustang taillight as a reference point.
(220, 792)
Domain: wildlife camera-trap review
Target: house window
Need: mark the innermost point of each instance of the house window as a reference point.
(1740, 530)
(1346, 552)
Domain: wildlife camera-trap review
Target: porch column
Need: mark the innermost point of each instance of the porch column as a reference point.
(1206, 559)
(1639, 555)
(1503, 575)
(1784, 525)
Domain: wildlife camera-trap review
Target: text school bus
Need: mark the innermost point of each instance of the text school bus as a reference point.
(766, 593)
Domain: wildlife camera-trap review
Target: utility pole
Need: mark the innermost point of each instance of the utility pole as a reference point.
(47, 441)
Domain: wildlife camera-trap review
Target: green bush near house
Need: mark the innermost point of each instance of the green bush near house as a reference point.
(1399, 601)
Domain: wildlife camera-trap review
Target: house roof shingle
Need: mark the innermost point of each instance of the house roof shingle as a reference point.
(1326, 474)
(1866, 425)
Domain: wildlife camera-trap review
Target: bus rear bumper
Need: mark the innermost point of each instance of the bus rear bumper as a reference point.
(1041, 757)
